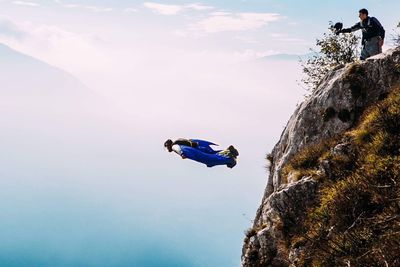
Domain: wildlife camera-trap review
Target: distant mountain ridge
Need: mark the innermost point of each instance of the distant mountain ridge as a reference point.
(25, 75)
(40, 96)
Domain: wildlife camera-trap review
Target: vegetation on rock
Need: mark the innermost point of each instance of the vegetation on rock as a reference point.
(333, 51)
(356, 221)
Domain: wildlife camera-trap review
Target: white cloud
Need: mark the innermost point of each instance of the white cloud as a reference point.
(91, 8)
(250, 54)
(278, 35)
(98, 9)
(220, 13)
(235, 22)
(180, 33)
(169, 10)
(71, 5)
(131, 10)
(248, 39)
(24, 3)
(164, 9)
(197, 6)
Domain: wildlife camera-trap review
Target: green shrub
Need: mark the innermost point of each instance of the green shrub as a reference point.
(333, 51)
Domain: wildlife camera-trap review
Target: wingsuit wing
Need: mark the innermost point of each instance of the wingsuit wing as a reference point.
(206, 158)
(205, 146)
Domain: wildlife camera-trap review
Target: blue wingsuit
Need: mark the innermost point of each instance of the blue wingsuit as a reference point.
(203, 153)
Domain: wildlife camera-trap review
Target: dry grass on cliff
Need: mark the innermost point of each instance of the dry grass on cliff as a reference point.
(357, 220)
(306, 162)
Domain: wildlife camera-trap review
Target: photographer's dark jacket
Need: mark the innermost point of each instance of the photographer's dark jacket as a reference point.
(370, 27)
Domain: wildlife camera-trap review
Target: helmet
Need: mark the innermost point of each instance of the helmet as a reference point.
(168, 145)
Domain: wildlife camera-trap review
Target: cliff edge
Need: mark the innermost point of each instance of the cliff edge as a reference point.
(315, 210)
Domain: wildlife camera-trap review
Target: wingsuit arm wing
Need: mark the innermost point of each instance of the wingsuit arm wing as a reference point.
(205, 145)
(203, 142)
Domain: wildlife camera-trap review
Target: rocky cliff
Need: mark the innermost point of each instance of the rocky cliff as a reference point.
(315, 209)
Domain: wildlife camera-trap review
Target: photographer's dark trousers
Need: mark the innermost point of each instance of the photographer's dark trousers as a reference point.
(371, 48)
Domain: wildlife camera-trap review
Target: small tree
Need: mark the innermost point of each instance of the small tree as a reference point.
(334, 50)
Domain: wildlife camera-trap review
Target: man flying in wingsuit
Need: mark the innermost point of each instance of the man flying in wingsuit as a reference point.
(201, 151)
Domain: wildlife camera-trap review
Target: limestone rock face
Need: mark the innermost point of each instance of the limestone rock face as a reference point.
(334, 107)
(281, 211)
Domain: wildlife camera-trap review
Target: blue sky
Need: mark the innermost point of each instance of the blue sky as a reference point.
(56, 30)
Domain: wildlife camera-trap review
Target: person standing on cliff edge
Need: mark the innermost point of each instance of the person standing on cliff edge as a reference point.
(373, 34)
